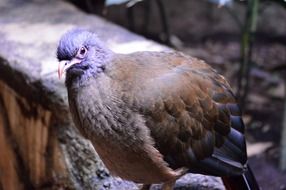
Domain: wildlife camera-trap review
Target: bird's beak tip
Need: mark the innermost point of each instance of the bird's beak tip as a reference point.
(59, 74)
(60, 70)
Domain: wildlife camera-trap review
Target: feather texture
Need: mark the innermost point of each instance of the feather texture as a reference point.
(179, 102)
(152, 116)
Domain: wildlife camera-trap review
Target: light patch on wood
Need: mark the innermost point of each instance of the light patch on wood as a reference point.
(8, 171)
(28, 126)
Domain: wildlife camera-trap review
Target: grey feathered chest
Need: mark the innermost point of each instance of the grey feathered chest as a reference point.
(101, 113)
(118, 132)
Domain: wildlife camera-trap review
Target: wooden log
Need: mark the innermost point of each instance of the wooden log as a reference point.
(24, 128)
(39, 146)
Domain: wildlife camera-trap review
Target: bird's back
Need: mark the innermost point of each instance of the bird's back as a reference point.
(189, 109)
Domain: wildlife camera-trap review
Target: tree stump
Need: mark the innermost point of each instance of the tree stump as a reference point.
(39, 146)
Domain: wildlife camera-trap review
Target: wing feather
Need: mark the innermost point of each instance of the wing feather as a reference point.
(190, 111)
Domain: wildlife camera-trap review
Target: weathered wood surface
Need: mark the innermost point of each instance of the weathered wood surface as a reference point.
(39, 147)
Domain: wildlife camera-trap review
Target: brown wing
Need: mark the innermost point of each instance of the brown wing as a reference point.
(190, 111)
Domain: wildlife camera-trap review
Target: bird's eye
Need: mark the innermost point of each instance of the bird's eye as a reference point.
(81, 52)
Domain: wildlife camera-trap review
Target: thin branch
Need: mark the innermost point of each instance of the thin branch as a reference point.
(164, 20)
(247, 40)
(283, 135)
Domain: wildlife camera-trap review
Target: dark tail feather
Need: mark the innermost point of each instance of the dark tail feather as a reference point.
(246, 181)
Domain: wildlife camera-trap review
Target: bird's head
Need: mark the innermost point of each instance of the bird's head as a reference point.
(79, 51)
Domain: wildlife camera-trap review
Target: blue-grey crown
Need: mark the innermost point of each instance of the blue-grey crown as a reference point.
(72, 41)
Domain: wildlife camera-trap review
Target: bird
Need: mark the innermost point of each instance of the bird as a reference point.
(152, 117)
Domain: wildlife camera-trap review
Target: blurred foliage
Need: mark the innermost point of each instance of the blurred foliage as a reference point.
(221, 2)
(228, 2)
(117, 2)
(281, 2)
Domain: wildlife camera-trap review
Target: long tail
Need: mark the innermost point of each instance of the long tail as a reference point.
(246, 181)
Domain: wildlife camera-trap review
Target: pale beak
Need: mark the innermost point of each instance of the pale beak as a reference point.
(65, 64)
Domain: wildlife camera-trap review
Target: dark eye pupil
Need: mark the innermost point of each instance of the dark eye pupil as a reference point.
(82, 51)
